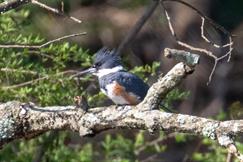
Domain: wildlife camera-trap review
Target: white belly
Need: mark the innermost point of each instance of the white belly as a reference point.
(116, 99)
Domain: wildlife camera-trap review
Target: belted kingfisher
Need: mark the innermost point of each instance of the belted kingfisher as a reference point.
(122, 87)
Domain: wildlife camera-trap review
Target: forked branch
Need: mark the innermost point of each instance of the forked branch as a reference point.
(228, 45)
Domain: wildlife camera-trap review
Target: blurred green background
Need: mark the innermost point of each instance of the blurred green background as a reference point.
(42, 76)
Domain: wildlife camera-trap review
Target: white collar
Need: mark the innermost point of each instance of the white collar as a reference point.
(103, 72)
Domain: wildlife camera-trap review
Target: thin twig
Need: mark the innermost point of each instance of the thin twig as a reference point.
(137, 27)
(230, 48)
(232, 149)
(212, 71)
(202, 50)
(19, 46)
(19, 71)
(56, 11)
(11, 4)
(209, 53)
(37, 80)
(61, 38)
(204, 36)
(217, 26)
(40, 53)
(62, 7)
(152, 143)
(230, 44)
(229, 157)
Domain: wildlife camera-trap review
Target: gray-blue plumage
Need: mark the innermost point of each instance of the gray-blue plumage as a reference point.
(131, 83)
(105, 58)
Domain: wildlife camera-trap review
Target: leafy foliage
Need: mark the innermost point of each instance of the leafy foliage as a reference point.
(141, 71)
(43, 71)
(213, 154)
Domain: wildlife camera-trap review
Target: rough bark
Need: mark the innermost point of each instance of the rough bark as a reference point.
(20, 120)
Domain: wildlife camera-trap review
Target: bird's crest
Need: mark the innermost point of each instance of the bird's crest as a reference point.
(105, 54)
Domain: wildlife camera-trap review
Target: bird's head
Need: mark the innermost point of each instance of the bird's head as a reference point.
(105, 62)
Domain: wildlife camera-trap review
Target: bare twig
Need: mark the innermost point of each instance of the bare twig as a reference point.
(152, 143)
(12, 4)
(61, 38)
(232, 149)
(18, 71)
(212, 71)
(217, 26)
(40, 53)
(62, 6)
(209, 53)
(19, 46)
(34, 81)
(137, 27)
(202, 50)
(56, 11)
(229, 157)
(25, 83)
(207, 40)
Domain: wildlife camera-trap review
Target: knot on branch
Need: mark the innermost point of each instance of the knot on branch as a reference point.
(225, 140)
(209, 130)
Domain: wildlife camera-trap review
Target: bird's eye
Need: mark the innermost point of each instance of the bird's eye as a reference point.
(96, 65)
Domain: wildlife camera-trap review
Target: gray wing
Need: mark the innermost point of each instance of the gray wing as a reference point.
(133, 84)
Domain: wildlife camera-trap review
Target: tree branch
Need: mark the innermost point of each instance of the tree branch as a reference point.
(19, 46)
(19, 120)
(55, 11)
(229, 44)
(137, 27)
(11, 4)
(44, 77)
(27, 121)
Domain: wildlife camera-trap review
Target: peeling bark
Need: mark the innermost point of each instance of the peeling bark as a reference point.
(27, 120)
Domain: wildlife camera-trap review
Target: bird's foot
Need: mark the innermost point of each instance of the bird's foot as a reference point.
(81, 102)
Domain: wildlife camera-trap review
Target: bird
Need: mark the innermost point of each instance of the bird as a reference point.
(119, 85)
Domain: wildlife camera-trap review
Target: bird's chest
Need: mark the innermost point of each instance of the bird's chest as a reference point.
(115, 92)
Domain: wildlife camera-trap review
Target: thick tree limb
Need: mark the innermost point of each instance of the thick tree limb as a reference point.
(26, 121)
(159, 89)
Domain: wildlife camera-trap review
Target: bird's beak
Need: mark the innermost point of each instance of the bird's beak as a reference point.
(91, 70)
